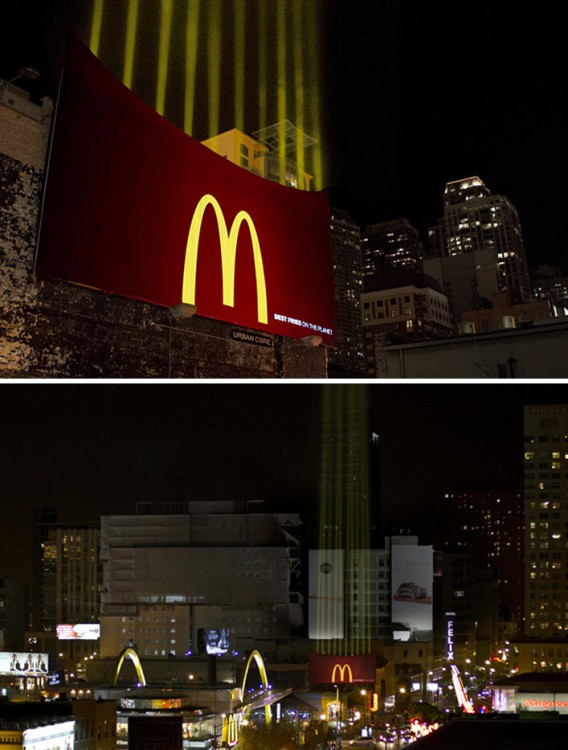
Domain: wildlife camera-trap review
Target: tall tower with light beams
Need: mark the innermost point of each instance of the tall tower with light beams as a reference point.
(340, 585)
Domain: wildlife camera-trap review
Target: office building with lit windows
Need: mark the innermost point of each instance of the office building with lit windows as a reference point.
(67, 579)
(477, 222)
(391, 246)
(488, 524)
(546, 518)
(399, 308)
(176, 572)
(346, 360)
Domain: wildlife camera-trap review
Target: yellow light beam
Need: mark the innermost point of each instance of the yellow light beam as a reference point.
(239, 11)
(96, 26)
(214, 54)
(131, 23)
(299, 36)
(191, 42)
(164, 53)
(313, 46)
(262, 64)
(281, 87)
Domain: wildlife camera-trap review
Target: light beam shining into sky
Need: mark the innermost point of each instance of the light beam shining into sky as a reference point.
(344, 509)
(131, 25)
(242, 64)
(164, 54)
(214, 58)
(239, 64)
(191, 41)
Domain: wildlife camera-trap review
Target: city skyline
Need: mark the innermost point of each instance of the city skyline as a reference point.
(428, 100)
(90, 450)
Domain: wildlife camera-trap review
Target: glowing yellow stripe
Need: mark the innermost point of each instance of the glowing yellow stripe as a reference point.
(228, 240)
(164, 53)
(214, 54)
(131, 23)
(96, 26)
(262, 64)
(299, 37)
(313, 67)
(239, 10)
(191, 41)
(281, 87)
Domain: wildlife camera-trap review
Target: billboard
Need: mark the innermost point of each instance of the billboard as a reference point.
(326, 598)
(213, 641)
(135, 207)
(412, 576)
(89, 631)
(342, 670)
(23, 663)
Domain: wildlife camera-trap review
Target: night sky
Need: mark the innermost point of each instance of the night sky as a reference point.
(90, 450)
(418, 93)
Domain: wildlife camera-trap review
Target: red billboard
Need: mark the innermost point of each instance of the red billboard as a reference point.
(340, 670)
(135, 207)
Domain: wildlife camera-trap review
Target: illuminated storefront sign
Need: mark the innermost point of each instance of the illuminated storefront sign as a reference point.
(450, 653)
(342, 670)
(134, 207)
(341, 673)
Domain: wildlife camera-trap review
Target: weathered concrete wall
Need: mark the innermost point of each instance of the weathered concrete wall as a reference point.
(58, 330)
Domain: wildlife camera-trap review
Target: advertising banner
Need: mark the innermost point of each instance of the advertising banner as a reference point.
(89, 631)
(342, 670)
(135, 207)
(23, 664)
(326, 603)
(412, 576)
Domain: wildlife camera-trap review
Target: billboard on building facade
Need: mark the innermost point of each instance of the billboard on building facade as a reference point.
(412, 576)
(135, 207)
(326, 599)
(342, 670)
(89, 631)
(23, 663)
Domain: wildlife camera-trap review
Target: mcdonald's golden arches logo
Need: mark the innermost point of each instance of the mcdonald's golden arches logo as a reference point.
(342, 670)
(228, 239)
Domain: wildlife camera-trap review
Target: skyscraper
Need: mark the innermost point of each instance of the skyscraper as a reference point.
(488, 524)
(480, 225)
(546, 517)
(340, 615)
(347, 359)
(391, 246)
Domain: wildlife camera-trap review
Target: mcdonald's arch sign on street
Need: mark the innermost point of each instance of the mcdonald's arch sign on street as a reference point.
(135, 207)
(341, 670)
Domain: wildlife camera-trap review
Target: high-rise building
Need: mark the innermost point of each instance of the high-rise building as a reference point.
(340, 617)
(546, 518)
(488, 524)
(177, 577)
(70, 574)
(347, 359)
(391, 246)
(476, 220)
(67, 580)
(548, 282)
